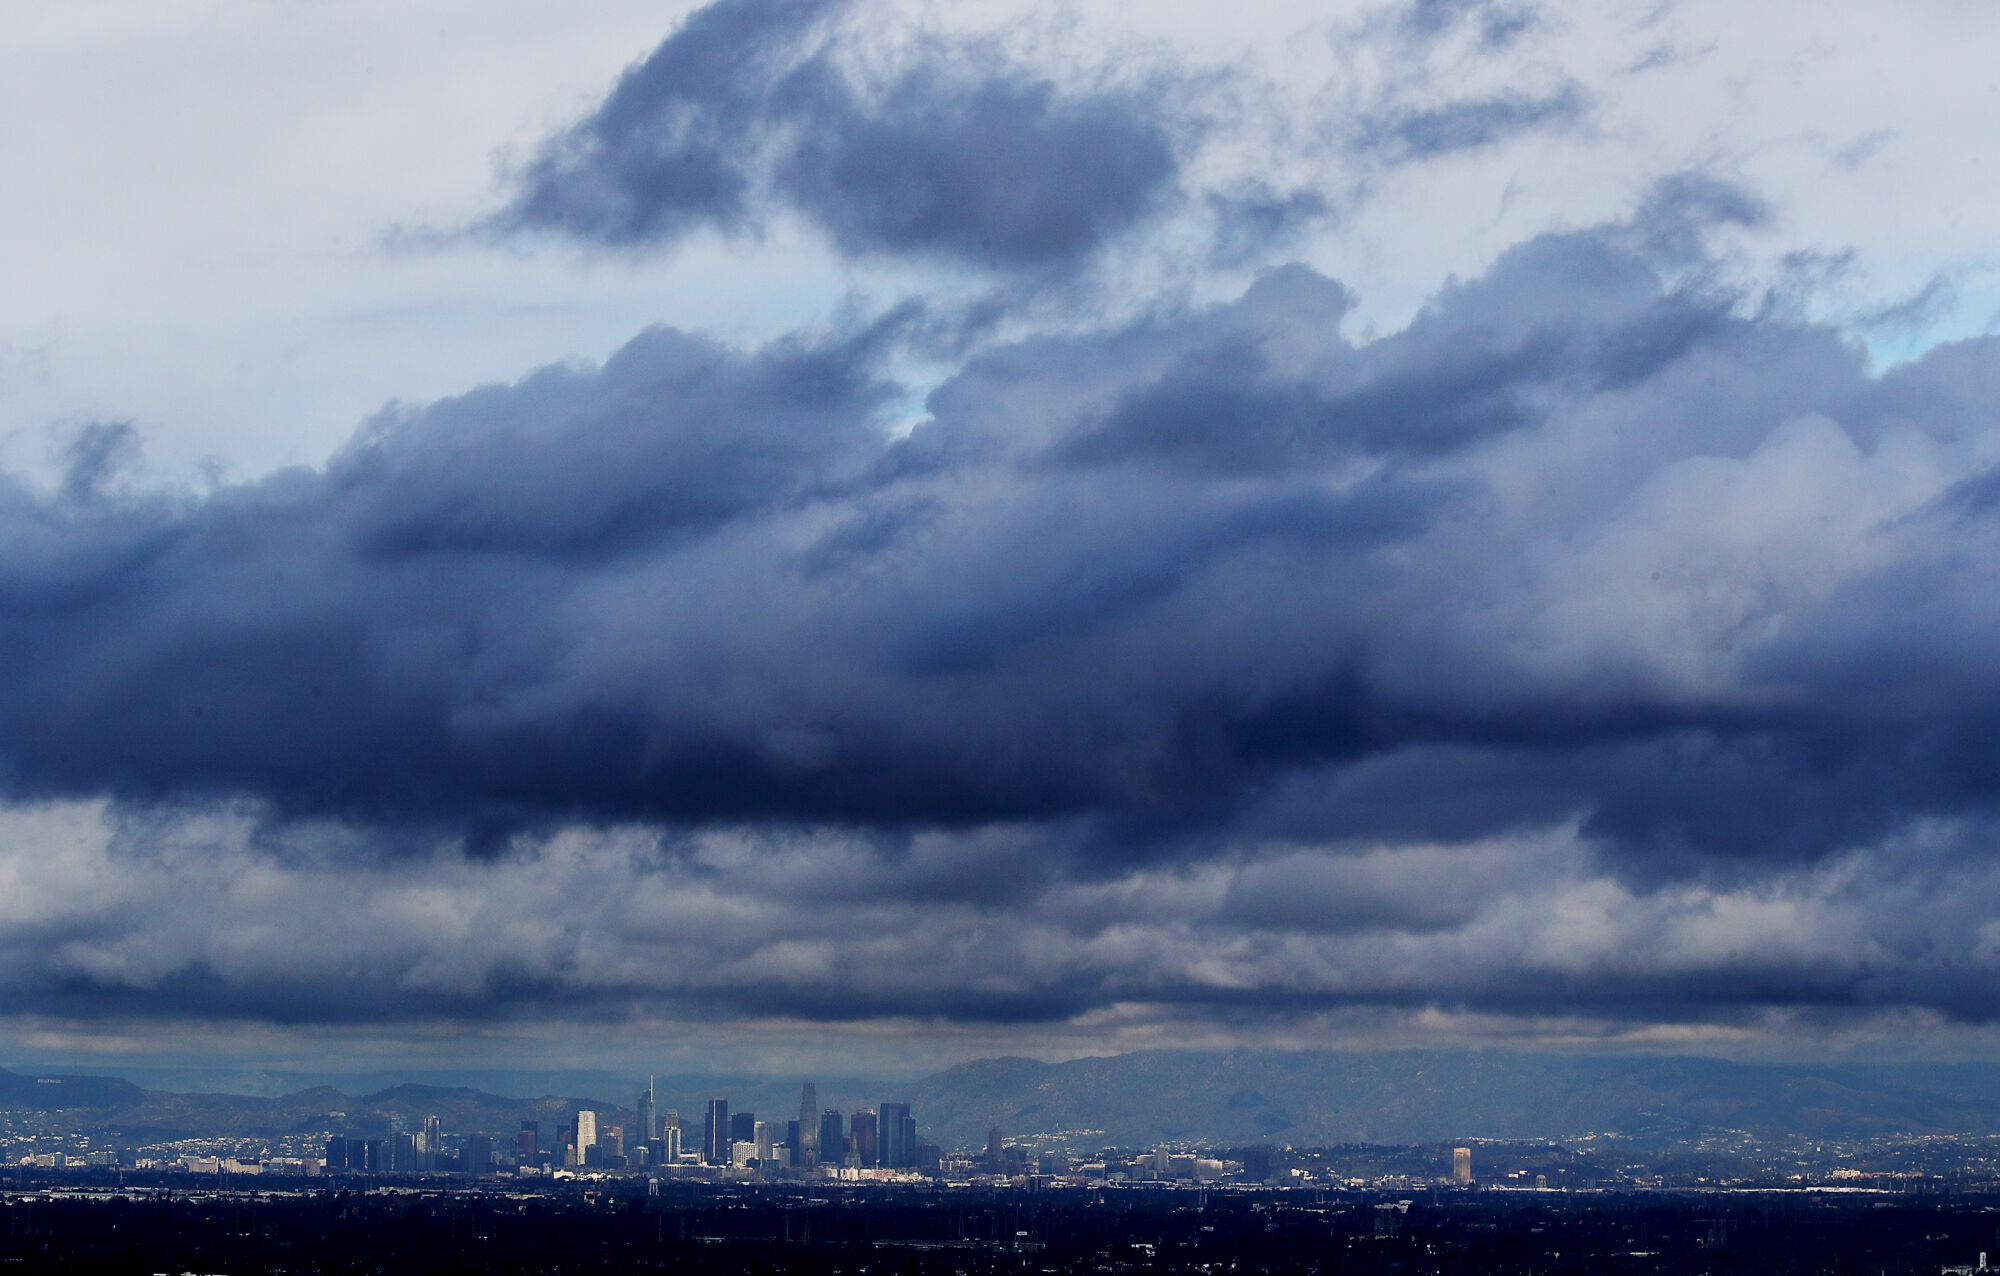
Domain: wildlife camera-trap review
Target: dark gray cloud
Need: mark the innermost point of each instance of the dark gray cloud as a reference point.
(1681, 211)
(1007, 171)
(1137, 574)
(1254, 219)
(1461, 87)
(1496, 25)
(746, 924)
(1596, 653)
(1215, 660)
(962, 155)
(1405, 133)
(669, 149)
(95, 455)
(653, 446)
(956, 152)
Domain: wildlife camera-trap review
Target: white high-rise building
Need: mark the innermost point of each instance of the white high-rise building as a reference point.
(586, 1132)
(766, 1138)
(432, 1146)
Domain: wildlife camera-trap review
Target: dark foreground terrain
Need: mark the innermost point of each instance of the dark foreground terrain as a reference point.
(977, 1231)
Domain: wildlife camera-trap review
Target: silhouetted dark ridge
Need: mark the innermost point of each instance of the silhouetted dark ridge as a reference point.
(48, 1093)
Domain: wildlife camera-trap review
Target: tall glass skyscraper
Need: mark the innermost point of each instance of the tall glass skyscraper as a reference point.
(715, 1133)
(649, 1129)
(428, 1155)
(832, 1141)
(866, 1150)
(899, 1136)
(809, 1140)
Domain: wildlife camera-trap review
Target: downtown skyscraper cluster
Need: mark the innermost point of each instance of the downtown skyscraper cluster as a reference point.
(871, 1142)
(882, 1138)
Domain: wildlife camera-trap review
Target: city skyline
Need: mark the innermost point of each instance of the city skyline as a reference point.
(999, 637)
(1656, 1127)
(654, 1143)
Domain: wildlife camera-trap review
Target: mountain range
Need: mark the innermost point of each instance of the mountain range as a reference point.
(1222, 1098)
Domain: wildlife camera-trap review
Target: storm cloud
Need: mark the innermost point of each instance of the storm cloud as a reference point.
(1598, 649)
(1114, 574)
(962, 155)
(1575, 521)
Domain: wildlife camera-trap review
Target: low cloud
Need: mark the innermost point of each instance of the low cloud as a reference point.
(731, 931)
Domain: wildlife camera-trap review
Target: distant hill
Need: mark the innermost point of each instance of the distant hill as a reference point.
(47, 1093)
(1400, 1097)
(1136, 1100)
(111, 1103)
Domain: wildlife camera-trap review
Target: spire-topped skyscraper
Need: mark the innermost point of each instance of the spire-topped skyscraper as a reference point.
(648, 1128)
(809, 1126)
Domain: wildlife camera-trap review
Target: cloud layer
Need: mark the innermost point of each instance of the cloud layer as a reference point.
(957, 152)
(1600, 653)
(1596, 645)
(1143, 571)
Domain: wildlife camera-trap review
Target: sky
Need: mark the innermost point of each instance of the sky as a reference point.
(855, 535)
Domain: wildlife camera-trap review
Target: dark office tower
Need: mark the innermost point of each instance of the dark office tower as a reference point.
(336, 1154)
(832, 1143)
(477, 1158)
(899, 1145)
(808, 1127)
(1257, 1164)
(402, 1152)
(912, 1145)
(715, 1133)
(866, 1149)
(371, 1156)
(742, 1127)
(795, 1149)
(613, 1139)
(525, 1142)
